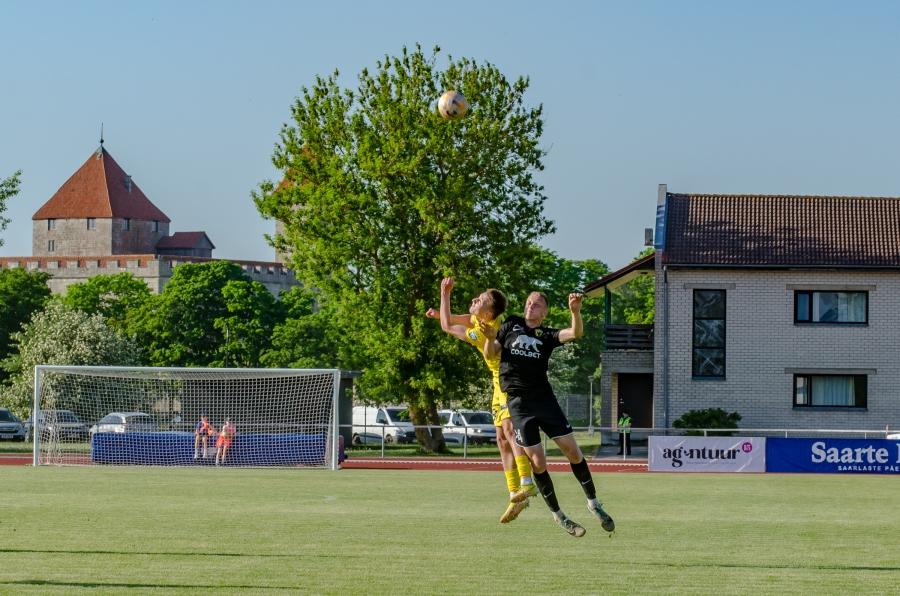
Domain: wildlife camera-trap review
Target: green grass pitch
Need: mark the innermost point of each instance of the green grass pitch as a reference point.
(225, 531)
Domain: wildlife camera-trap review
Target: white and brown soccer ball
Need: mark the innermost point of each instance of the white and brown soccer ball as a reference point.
(453, 105)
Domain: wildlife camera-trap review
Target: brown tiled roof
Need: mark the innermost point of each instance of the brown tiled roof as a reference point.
(183, 240)
(774, 231)
(98, 189)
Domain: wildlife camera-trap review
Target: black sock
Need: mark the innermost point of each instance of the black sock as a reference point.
(583, 473)
(545, 485)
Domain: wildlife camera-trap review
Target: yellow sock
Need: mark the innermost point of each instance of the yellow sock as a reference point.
(524, 466)
(512, 480)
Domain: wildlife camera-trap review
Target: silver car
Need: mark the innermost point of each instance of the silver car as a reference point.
(125, 422)
(476, 427)
(11, 428)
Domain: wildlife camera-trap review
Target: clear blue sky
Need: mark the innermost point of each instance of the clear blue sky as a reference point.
(720, 97)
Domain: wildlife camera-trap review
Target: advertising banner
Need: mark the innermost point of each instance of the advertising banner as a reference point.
(707, 454)
(833, 456)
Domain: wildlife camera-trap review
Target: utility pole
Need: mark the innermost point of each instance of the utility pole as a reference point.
(591, 408)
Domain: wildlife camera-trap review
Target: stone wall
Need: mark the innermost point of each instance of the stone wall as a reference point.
(138, 239)
(763, 344)
(155, 271)
(74, 239)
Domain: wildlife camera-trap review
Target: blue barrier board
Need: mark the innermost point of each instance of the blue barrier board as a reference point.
(177, 448)
(833, 456)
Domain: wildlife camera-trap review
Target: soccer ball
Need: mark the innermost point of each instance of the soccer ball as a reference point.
(453, 105)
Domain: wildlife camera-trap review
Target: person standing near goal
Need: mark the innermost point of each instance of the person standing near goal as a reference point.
(524, 346)
(223, 443)
(202, 432)
(486, 309)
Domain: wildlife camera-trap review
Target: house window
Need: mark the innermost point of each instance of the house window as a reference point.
(51, 224)
(830, 391)
(154, 226)
(92, 223)
(51, 246)
(834, 308)
(709, 334)
(126, 224)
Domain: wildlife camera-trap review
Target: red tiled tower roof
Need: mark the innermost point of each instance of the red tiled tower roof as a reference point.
(100, 189)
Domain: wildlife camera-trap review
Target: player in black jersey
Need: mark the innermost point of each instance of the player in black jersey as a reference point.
(525, 346)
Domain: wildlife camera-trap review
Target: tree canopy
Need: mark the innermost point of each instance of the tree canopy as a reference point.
(22, 293)
(9, 187)
(61, 335)
(112, 296)
(381, 198)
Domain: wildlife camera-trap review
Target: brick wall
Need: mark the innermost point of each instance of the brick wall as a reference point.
(762, 341)
(615, 362)
(139, 239)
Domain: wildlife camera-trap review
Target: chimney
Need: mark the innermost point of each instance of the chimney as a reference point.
(648, 236)
(128, 183)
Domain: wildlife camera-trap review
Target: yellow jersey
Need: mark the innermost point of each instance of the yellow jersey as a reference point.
(475, 337)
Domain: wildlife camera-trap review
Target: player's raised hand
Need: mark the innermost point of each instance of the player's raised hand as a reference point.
(432, 314)
(575, 300)
(446, 285)
(488, 330)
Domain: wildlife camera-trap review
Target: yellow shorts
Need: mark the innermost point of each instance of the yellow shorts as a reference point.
(499, 411)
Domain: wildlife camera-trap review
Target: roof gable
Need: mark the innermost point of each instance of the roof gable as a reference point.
(186, 240)
(100, 189)
(776, 231)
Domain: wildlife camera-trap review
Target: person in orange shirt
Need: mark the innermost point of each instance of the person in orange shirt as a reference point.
(223, 443)
(203, 431)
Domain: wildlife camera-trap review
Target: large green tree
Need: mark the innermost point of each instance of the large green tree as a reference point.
(22, 294)
(308, 337)
(9, 187)
(201, 306)
(61, 335)
(382, 197)
(112, 296)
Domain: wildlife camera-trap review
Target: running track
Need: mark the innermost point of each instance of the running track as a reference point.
(366, 463)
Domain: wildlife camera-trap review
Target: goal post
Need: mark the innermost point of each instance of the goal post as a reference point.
(167, 416)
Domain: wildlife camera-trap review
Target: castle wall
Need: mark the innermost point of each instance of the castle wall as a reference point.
(73, 238)
(155, 271)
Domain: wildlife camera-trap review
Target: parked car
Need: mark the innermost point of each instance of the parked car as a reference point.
(476, 424)
(11, 428)
(125, 422)
(59, 425)
(370, 424)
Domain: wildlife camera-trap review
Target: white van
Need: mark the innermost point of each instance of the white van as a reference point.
(370, 424)
(477, 425)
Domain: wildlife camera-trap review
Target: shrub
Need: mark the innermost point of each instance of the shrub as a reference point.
(711, 418)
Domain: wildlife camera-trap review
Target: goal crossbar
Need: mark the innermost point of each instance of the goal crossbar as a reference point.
(275, 416)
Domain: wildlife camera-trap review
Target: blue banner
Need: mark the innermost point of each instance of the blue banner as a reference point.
(833, 456)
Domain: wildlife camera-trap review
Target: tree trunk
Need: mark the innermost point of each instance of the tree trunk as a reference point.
(430, 439)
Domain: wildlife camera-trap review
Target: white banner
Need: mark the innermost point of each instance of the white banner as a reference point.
(707, 454)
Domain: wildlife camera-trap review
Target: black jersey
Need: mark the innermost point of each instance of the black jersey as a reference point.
(525, 356)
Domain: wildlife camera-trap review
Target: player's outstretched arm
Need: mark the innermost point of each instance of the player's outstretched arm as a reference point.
(491, 346)
(464, 320)
(577, 328)
(447, 324)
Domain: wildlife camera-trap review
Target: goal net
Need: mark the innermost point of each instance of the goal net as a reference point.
(86, 415)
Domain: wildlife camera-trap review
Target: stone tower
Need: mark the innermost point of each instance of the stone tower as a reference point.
(98, 211)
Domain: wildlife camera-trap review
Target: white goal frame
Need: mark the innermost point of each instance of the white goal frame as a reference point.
(334, 427)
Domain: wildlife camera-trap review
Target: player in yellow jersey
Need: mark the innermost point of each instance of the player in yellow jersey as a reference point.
(487, 308)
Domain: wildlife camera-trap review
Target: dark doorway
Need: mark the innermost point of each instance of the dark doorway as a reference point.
(636, 397)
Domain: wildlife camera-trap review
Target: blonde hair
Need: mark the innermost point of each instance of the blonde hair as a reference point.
(535, 295)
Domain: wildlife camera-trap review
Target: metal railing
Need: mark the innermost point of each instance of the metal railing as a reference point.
(644, 433)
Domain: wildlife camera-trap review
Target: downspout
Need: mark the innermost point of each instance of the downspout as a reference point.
(666, 346)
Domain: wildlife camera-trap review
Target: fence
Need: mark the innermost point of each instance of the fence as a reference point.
(592, 435)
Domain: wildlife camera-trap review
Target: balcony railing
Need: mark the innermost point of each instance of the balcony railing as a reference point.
(629, 337)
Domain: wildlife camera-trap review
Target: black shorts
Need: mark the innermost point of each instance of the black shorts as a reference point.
(530, 415)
